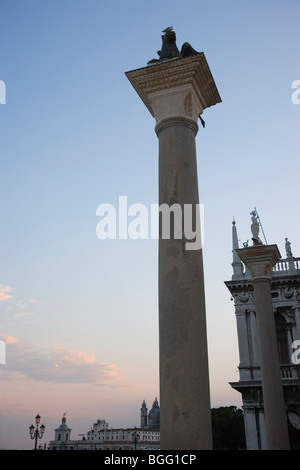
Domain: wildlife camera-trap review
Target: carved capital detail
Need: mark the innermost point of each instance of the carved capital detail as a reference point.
(260, 260)
(180, 86)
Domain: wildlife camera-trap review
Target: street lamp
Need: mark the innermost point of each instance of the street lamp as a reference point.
(135, 438)
(36, 433)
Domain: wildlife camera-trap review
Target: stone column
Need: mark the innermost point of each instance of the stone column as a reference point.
(297, 319)
(255, 354)
(243, 344)
(250, 428)
(260, 260)
(262, 429)
(176, 92)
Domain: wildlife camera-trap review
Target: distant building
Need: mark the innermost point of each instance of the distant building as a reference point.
(151, 419)
(122, 438)
(101, 437)
(285, 287)
(62, 440)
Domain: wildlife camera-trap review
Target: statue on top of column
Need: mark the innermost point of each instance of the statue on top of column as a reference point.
(255, 229)
(169, 48)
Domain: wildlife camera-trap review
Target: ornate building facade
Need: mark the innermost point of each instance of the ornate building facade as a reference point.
(102, 437)
(285, 287)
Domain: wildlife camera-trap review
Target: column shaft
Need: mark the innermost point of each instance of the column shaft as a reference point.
(251, 428)
(274, 409)
(185, 420)
(255, 354)
(297, 319)
(243, 344)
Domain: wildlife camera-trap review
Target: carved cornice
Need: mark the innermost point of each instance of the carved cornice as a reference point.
(173, 74)
(260, 260)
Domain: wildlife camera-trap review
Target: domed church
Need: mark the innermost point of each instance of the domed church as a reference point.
(151, 419)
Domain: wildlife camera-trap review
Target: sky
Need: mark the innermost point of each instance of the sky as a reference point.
(79, 315)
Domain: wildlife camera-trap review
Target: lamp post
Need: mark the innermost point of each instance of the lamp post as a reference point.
(36, 433)
(135, 438)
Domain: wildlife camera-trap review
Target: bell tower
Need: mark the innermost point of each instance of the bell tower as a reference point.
(144, 414)
(63, 432)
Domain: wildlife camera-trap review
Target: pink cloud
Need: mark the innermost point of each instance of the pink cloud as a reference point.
(4, 292)
(35, 301)
(56, 364)
(22, 314)
(8, 339)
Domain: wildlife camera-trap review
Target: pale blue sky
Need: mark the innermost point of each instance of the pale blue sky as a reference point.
(74, 134)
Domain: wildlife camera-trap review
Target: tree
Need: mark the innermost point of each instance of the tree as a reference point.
(228, 428)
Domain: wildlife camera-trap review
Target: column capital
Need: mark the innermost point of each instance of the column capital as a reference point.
(176, 121)
(260, 260)
(181, 87)
(240, 310)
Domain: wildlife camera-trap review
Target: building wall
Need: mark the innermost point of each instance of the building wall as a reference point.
(110, 439)
(285, 288)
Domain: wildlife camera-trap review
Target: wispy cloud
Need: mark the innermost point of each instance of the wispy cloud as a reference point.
(18, 308)
(6, 401)
(35, 301)
(4, 292)
(22, 314)
(56, 364)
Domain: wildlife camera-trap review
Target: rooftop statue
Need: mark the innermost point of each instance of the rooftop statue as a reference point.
(169, 48)
(288, 249)
(255, 229)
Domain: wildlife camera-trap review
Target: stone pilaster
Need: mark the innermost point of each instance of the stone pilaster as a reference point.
(254, 346)
(242, 332)
(251, 428)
